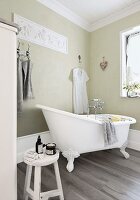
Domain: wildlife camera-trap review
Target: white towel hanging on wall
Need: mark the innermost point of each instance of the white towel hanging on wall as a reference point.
(80, 98)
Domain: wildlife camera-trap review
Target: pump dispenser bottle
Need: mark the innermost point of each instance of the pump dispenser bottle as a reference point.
(39, 145)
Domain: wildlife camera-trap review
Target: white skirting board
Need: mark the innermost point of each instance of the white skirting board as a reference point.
(27, 142)
(134, 139)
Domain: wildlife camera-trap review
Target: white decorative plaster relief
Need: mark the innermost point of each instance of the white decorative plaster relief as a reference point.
(37, 34)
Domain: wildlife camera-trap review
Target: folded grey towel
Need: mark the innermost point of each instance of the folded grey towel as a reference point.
(19, 85)
(24, 82)
(27, 82)
(109, 133)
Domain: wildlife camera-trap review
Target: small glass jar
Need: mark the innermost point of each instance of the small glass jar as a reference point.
(50, 148)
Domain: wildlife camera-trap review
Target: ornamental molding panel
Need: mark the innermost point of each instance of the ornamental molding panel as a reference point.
(40, 35)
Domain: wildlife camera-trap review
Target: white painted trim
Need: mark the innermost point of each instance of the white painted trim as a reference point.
(9, 27)
(90, 27)
(67, 13)
(133, 8)
(26, 142)
(122, 63)
(134, 140)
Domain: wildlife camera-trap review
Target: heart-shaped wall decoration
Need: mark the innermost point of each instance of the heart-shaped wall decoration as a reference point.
(103, 64)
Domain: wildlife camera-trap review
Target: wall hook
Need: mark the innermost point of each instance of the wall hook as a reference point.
(28, 51)
(18, 48)
(79, 57)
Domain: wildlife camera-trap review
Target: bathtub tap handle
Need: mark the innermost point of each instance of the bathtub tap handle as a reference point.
(96, 104)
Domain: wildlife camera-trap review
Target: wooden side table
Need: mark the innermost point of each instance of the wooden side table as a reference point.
(36, 194)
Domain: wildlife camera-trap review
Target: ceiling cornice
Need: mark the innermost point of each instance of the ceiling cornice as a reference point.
(135, 7)
(67, 13)
(76, 19)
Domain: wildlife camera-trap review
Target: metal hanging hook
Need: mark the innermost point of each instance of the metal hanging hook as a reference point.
(28, 51)
(79, 57)
(18, 49)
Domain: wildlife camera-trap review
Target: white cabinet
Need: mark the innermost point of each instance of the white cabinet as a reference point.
(8, 112)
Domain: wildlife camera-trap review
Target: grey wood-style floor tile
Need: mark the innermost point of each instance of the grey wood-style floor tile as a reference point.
(103, 175)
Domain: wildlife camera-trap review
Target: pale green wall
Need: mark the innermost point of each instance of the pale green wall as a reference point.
(106, 84)
(51, 70)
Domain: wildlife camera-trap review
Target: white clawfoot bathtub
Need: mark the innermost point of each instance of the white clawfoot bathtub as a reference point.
(76, 134)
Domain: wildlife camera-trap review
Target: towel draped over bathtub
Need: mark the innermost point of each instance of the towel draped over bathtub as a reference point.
(109, 132)
(80, 99)
(24, 83)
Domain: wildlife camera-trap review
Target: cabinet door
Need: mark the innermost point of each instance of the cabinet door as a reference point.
(8, 110)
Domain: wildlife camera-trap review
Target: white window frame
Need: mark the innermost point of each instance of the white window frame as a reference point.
(123, 37)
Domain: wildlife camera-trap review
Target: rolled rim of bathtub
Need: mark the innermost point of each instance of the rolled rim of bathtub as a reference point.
(130, 120)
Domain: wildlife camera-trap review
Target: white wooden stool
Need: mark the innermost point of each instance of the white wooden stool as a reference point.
(36, 194)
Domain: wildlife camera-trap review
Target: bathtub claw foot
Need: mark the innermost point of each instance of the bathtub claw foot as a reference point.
(125, 154)
(70, 155)
(123, 151)
(70, 165)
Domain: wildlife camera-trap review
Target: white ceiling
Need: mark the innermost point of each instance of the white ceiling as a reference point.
(93, 14)
(93, 10)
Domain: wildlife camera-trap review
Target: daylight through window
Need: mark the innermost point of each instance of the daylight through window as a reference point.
(130, 44)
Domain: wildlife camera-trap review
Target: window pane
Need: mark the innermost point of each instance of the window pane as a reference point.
(133, 59)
